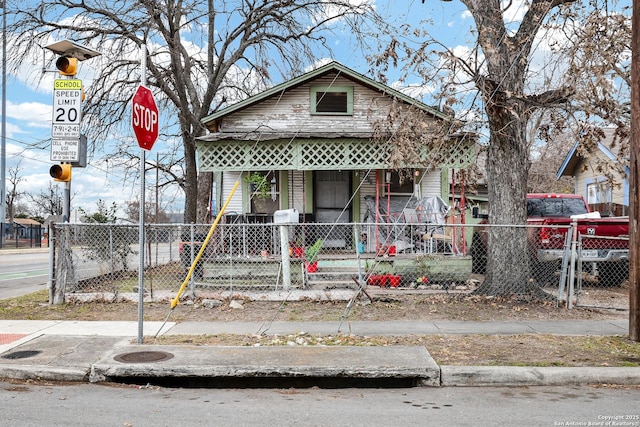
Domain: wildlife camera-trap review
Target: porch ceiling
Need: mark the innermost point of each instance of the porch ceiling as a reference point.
(311, 153)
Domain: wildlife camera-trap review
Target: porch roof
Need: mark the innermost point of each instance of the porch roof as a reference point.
(270, 136)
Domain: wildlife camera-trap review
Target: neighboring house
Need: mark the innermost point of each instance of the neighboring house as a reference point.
(25, 228)
(311, 138)
(599, 177)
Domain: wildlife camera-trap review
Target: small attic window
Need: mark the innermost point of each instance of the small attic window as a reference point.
(332, 100)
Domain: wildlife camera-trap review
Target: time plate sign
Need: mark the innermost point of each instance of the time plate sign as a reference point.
(67, 100)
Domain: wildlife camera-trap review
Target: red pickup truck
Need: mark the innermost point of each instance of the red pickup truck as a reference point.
(551, 214)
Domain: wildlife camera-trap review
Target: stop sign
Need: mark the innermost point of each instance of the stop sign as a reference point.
(144, 117)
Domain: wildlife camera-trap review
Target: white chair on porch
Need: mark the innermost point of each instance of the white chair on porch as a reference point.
(437, 240)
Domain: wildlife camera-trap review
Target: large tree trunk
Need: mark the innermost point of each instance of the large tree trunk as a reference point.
(501, 84)
(507, 171)
(205, 186)
(190, 183)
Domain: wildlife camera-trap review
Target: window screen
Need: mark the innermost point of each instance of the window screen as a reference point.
(331, 102)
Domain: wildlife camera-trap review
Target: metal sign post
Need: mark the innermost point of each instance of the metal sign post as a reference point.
(144, 121)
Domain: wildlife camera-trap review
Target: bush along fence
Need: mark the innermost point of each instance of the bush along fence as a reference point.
(104, 258)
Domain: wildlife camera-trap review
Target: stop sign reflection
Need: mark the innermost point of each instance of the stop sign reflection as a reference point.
(144, 117)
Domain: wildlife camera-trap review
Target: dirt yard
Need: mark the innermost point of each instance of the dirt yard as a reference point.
(528, 349)
(385, 304)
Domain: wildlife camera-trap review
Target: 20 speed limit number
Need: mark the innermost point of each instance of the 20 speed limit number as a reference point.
(67, 101)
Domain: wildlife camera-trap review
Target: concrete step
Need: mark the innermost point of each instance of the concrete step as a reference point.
(325, 278)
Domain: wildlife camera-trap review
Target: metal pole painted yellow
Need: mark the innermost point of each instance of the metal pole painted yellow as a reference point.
(176, 300)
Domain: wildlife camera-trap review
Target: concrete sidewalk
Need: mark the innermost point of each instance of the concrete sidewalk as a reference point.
(105, 351)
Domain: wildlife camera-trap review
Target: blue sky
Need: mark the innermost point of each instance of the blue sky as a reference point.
(29, 107)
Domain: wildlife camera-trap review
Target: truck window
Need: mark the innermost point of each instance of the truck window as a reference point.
(555, 207)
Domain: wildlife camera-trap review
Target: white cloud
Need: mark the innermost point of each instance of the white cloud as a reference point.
(515, 11)
(414, 90)
(35, 113)
(332, 11)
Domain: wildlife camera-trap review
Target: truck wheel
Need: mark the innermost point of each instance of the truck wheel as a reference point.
(478, 255)
(612, 274)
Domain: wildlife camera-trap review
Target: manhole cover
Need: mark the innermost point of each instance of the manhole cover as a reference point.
(21, 354)
(143, 357)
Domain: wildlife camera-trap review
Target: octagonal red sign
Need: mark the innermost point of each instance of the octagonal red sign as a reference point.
(144, 117)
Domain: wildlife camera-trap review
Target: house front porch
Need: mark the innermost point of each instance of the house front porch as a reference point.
(249, 255)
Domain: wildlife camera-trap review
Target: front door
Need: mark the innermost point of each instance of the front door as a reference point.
(332, 190)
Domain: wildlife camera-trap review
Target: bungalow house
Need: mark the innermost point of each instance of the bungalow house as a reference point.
(25, 229)
(309, 144)
(599, 177)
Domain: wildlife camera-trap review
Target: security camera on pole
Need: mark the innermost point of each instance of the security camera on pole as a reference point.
(144, 120)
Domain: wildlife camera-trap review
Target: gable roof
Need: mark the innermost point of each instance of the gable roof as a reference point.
(319, 72)
(25, 221)
(573, 158)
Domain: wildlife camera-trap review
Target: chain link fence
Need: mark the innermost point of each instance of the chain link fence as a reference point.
(602, 272)
(264, 257)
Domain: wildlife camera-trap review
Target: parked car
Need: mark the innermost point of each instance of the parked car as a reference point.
(553, 213)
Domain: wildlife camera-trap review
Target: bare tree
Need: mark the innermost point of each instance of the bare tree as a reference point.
(158, 216)
(547, 154)
(13, 194)
(202, 55)
(598, 63)
(498, 69)
(47, 202)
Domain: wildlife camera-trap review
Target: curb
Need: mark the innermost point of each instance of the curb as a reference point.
(536, 376)
(450, 376)
(44, 373)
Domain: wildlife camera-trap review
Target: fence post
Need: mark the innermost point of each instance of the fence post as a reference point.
(572, 275)
(565, 263)
(111, 249)
(52, 246)
(286, 262)
(192, 255)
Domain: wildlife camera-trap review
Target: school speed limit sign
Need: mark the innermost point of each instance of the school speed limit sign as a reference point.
(67, 101)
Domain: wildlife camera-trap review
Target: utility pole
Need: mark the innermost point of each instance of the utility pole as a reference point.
(634, 180)
(3, 146)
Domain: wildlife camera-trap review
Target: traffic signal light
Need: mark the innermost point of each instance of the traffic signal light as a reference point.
(61, 172)
(67, 65)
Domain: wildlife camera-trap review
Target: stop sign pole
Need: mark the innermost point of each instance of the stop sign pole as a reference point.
(144, 120)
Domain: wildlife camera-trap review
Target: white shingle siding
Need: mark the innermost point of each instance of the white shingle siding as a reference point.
(291, 111)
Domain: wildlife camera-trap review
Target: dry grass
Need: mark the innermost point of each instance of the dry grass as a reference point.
(526, 350)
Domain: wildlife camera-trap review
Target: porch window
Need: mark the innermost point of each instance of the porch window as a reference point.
(332, 100)
(264, 191)
(399, 184)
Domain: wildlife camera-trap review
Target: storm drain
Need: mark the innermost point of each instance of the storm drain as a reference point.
(21, 354)
(143, 357)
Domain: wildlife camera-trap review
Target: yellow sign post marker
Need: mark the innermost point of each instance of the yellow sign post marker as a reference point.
(175, 301)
